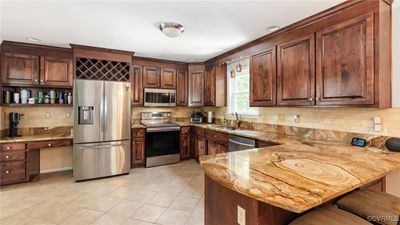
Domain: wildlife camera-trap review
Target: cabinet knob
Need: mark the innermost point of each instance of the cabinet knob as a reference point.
(8, 147)
(49, 144)
(41, 80)
(7, 171)
(36, 80)
(215, 136)
(311, 99)
(7, 156)
(317, 98)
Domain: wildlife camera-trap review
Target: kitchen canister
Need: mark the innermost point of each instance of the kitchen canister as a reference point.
(16, 97)
(52, 96)
(24, 96)
(209, 117)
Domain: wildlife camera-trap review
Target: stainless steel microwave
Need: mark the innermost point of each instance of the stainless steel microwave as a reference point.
(159, 97)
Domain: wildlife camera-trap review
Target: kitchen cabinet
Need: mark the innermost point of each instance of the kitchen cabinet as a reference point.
(181, 88)
(263, 78)
(296, 72)
(36, 65)
(151, 77)
(215, 86)
(56, 71)
(199, 141)
(184, 144)
(20, 69)
(196, 88)
(217, 142)
(168, 78)
(137, 85)
(345, 64)
(138, 147)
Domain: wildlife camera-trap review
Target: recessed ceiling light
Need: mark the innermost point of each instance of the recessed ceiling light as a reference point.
(33, 39)
(171, 29)
(273, 28)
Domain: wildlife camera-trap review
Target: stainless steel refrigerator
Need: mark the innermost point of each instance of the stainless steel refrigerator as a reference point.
(102, 131)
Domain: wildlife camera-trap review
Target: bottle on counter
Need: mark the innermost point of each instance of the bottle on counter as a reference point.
(7, 97)
(46, 99)
(16, 97)
(69, 98)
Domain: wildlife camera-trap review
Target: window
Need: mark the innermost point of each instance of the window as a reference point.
(239, 88)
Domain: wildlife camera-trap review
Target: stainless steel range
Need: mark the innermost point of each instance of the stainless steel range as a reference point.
(162, 138)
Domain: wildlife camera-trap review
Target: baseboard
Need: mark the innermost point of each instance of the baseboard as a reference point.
(52, 170)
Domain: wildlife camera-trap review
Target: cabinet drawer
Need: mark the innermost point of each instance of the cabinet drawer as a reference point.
(199, 131)
(185, 130)
(6, 156)
(48, 144)
(138, 133)
(216, 136)
(12, 171)
(14, 146)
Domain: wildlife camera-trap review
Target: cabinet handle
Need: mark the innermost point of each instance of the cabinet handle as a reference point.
(49, 144)
(7, 156)
(317, 98)
(41, 80)
(7, 171)
(8, 147)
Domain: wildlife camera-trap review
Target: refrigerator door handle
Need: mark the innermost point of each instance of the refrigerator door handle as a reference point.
(105, 113)
(102, 116)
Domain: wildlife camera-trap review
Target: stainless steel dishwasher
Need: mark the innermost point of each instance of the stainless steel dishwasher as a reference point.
(237, 143)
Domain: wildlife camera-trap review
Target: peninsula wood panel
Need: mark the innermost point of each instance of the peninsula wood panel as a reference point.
(263, 78)
(56, 71)
(296, 72)
(137, 86)
(181, 88)
(345, 69)
(151, 77)
(168, 78)
(20, 69)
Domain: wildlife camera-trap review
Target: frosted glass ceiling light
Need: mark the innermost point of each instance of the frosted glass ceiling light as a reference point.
(171, 29)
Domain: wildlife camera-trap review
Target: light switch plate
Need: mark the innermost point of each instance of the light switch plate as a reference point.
(241, 215)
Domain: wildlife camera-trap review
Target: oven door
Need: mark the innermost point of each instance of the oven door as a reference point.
(159, 97)
(162, 146)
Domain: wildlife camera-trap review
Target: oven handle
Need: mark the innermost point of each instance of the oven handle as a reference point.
(161, 129)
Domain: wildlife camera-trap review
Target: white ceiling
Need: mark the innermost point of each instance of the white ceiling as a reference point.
(211, 27)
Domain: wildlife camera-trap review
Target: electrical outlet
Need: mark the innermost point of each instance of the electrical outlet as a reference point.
(47, 115)
(68, 115)
(241, 215)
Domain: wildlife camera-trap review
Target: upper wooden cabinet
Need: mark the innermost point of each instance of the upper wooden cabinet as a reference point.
(151, 77)
(168, 78)
(215, 86)
(20, 69)
(345, 64)
(296, 72)
(137, 85)
(55, 71)
(31, 65)
(263, 78)
(196, 88)
(181, 88)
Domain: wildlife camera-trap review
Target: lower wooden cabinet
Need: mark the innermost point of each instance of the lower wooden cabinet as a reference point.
(184, 144)
(216, 148)
(200, 146)
(137, 154)
(13, 172)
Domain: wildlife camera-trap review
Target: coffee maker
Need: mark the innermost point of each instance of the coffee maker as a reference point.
(13, 120)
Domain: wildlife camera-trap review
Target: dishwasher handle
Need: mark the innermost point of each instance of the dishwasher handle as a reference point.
(240, 143)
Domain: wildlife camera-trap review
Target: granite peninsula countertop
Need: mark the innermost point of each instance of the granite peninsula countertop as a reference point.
(299, 175)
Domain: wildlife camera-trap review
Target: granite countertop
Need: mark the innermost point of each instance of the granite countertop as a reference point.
(299, 175)
(38, 137)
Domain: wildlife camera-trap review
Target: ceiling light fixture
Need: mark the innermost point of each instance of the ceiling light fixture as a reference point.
(171, 29)
(273, 28)
(33, 39)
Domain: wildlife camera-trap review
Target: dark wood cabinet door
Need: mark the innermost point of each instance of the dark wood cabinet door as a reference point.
(296, 72)
(181, 88)
(20, 69)
(345, 67)
(263, 78)
(212, 148)
(55, 71)
(185, 146)
(168, 78)
(137, 154)
(209, 87)
(151, 77)
(201, 146)
(137, 86)
(196, 88)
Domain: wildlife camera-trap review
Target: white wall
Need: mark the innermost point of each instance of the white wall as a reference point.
(396, 53)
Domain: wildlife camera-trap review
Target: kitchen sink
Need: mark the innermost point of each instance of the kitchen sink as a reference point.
(223, 127)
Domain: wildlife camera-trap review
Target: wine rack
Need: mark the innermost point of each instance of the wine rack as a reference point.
(95, 69)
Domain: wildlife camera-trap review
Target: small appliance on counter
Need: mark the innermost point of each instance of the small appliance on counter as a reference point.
(14, 118)
(197, 117)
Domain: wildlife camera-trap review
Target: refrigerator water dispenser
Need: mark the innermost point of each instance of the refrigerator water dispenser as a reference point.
(85, 114)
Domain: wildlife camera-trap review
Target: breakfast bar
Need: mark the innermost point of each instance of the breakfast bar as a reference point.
(274, 185)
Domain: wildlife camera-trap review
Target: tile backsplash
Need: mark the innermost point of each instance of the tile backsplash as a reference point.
(358, 120)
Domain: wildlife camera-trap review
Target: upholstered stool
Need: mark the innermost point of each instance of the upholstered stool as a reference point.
(377, 207)
(329, 215)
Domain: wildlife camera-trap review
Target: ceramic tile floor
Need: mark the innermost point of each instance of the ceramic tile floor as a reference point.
(166, 195)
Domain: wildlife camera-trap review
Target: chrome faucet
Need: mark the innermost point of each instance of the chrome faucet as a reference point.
(237, 120)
